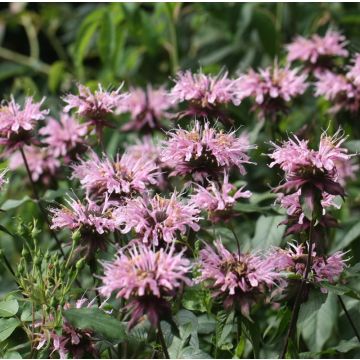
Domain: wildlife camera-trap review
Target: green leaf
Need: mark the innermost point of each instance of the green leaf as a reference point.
(98, 321)
(253, 333)
(317, 319)
(224, 326)
(265, 26)
(190, 352)
(7, 327)
(56, 75)
(12, 355)
(268, 232)
(8, 308)
(13, 204)
(107, 37)
(349, 237)
(195, 298)
(10, 69)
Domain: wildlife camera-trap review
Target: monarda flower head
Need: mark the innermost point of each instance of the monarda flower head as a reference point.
(342, 90)
(94, 107)
(218, 200)
(124, 176)
(272, 88)
(93, 221)
(296, 220)
(323, 268)
(65, 138)
(17, 124)
(317, 52)
(70, 342)
(157, 220)
(204, 94)
(148, 279)
(304, 166)
(237, 278)
(148, 109)
(205, 152)
(148, 148)
(43, 165)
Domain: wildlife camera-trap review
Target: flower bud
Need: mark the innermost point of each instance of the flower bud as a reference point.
(80, 264)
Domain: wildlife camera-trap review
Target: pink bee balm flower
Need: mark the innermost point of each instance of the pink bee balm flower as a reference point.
(323, 268)
(148, 149)
(204, 94)
(272, 88)
(318, 51)
(218, 200)
(296, 221)
(354, 70)
(16, 124)
(339, 90)
(205, 152)
(238, 277)
(157, 220)
(94, 106)
(70, 342)
(93, 221)
(307, 166)
(42, 164)
(124, 175)
(147, 278)
(147, 108)
(65, 137)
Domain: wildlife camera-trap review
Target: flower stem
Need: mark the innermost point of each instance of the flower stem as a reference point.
(349, 317)
(296, 307)
(37, 197)
(162, 342)
(7, 263)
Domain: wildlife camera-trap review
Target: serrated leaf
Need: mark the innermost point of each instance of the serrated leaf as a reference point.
(8, 308)
(98, 321)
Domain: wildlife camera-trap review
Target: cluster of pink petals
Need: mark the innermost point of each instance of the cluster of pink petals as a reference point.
(16, 122)
(292, 205)
(294, 155)
(147, 108)
(312, 49)
(71, 342)
(272, 84)
(42, 163)
(233, 274)
(205, 151)
(65, 135)
(323, 268)
(218, 199)
(342, 90)
(148, 150)
(204, 89)
(354, 70)
(88, 215)
(94, 106)
(139, 271)
(156, 220)
(123, 175)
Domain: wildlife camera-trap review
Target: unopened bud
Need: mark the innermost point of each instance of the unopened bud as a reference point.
(80, 264)
(76, 235)
(24, 252)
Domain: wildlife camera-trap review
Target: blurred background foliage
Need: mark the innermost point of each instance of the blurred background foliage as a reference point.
(45, 47)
